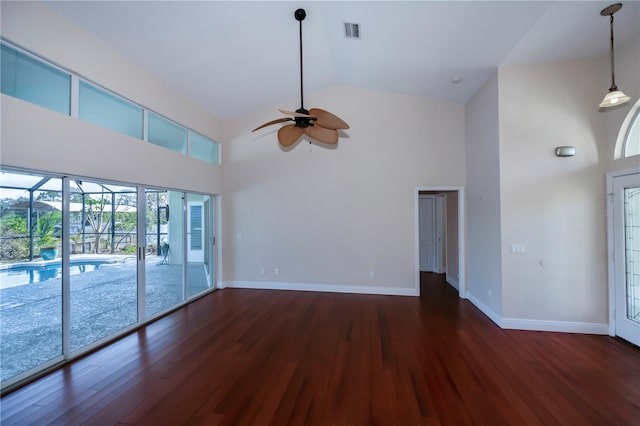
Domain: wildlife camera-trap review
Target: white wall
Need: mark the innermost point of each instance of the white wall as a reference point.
(36, 138)
(330, 216)
(483, 226)
(40, 139)
(554, 206)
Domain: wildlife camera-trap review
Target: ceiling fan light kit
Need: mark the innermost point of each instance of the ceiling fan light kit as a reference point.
(615, 96)
(316, 123)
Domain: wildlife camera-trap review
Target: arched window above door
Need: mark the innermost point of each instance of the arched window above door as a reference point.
(632, 135)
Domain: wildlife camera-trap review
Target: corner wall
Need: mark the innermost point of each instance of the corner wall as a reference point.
(483, 217)
(553, 206)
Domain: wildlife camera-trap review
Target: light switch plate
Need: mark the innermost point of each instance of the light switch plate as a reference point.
(518, 249)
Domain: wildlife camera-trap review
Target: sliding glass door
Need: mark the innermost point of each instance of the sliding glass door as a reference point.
(164, 265)
(30, 273)
(103, 278)
(83, 261)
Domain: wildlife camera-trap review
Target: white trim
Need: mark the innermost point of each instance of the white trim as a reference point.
(462, 274)
(625, 127)
(66, 278)
(453, 283)
(462, 287)
(610, 263)
(441, 255)
(219, 264)
(557, 326)
(331, 288)
(485, 309)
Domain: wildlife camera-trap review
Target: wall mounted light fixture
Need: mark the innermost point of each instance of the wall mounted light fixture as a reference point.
(565, 151)
(615, 97)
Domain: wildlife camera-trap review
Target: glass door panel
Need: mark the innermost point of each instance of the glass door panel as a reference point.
(164, 267)
(103, 271)
(199, 253)
(626, 237)
(30, 272)
(632, 252)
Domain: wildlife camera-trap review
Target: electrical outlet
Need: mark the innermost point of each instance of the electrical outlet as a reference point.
(372, 273)
(261, 271)
(277, 271)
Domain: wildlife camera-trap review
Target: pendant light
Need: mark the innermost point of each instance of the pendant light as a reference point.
(615, 97)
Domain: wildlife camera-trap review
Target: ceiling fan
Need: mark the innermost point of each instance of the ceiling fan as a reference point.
(316, 123)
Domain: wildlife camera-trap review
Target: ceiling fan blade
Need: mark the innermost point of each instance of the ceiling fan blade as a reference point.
(293, 113)
(321, 134)
(287, 135)
(327, 120)
(279, 120)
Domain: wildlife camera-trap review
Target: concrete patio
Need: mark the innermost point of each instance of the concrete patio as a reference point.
(103, 301)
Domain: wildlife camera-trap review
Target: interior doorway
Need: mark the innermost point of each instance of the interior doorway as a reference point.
(439, 234)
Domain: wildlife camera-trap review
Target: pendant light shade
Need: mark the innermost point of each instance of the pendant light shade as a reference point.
(615, 97)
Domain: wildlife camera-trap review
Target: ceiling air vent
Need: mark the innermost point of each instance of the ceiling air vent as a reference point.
(351, 30)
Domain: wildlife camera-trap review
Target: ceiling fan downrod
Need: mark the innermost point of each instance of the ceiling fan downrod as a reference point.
(300, 14)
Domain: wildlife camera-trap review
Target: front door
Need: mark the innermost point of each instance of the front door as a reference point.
(626, 239)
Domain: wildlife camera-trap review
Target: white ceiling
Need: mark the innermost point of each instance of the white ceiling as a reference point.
(237, 57)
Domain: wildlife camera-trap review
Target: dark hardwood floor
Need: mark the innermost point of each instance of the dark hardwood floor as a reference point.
(282, 357)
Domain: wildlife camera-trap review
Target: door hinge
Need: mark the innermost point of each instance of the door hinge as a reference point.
(214, 240)
(613, 255)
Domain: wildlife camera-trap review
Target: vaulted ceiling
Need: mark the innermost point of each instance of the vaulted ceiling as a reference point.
(235, 57)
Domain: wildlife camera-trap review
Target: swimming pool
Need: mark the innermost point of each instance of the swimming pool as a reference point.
(21, 273)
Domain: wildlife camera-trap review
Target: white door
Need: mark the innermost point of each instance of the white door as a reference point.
(626, 239)
(195, 231)
(427, 225)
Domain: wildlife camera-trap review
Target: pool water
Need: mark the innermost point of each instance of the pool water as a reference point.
(28, 274)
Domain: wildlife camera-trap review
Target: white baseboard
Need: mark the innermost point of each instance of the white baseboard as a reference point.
(453, 283)
(539, 325)
(331, 288)
(559, 326)
(485, 309)
(504, 323)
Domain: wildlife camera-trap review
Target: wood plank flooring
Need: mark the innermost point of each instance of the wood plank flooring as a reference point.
(256, 357)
